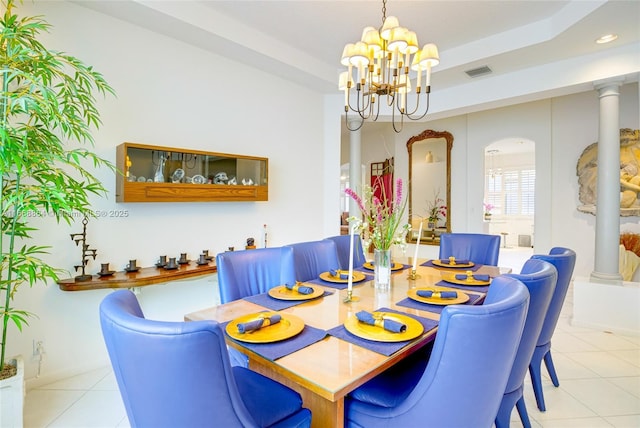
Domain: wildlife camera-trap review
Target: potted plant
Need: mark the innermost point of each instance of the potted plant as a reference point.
(47, 112)
(487, 211)
(436, 210)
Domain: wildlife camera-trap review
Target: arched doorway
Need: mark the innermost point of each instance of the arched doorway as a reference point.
(509, 192)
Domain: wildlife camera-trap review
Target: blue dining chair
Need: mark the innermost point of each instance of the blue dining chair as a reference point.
(564, 259)
(313, 258)
(250, 272)
(464, 379)
(540, 279)
(477, 247)
(177, 374)
(343, 243)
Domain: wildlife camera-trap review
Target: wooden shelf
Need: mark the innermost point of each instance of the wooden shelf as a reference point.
(178, 170)
(145, 276)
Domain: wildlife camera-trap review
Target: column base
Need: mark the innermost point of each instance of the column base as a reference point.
(605, 277)
(610, 306)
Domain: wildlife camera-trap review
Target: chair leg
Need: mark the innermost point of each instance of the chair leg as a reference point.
(522, 411)
(535, 371)
(548, 361)
(536, 380)
(506, 407)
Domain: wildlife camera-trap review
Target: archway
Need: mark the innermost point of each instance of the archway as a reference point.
(509, 191)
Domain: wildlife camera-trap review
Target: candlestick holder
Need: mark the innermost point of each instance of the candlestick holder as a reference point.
(86, 251)
(413, 275)
(350, 297)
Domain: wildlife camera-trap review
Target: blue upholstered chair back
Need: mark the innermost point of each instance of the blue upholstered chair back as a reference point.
(313, 258)
(468, 369)
(249, 272)
(540, 279)
(342, 246)
(479, 248)
(173, 374)
(564, 261)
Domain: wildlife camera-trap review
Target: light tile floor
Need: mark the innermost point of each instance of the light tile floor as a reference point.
(599, 384)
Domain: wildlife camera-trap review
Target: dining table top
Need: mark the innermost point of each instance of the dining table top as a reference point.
(334, 364)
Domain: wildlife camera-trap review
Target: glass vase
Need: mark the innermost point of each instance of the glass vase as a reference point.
(382, 268)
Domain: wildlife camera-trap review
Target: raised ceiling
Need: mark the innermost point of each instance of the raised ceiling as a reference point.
(303, 40)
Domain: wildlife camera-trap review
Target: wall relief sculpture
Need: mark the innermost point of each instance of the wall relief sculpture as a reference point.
(587, 171)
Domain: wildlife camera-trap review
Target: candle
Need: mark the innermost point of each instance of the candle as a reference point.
(415, 255)
(264, 233)
(350, 282)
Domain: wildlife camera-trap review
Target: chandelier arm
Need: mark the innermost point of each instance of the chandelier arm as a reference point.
(393, 121)
(410, 114)
(346, 122)
(358, 109)
(428, 93)
(366, 110)
(377, 111)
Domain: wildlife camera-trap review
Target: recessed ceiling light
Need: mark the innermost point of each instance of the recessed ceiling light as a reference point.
(606, 38)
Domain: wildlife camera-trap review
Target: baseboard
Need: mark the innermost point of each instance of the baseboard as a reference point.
(79, 369)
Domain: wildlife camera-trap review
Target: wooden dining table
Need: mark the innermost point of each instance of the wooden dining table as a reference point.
(329, 369)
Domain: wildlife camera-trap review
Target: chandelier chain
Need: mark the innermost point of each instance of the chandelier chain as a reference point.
(384, 11)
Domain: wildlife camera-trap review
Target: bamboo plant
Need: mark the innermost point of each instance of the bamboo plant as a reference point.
(47, 112)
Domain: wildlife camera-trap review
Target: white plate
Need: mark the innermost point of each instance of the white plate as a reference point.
(198, 179)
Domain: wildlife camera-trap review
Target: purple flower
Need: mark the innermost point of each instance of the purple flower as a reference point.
(398, 192)
(356, 198)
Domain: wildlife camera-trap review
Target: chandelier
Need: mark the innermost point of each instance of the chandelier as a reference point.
(383, 60)
(493, 171)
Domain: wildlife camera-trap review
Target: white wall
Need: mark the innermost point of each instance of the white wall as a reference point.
(172, 94)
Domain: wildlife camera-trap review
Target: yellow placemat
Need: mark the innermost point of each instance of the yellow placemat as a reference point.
(289, 326)
(469, 280)
(357, 277)
(379, 334)
(462, 297)
(370, 266)
(283, 293)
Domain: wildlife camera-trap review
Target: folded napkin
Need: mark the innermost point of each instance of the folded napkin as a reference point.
(302, 289)
(337, 273)
(257, 324)
(387, 324)
(437, 294)
(477, 277)
(457, 262)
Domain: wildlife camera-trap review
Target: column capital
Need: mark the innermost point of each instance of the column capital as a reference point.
(353, 123)
(613, 82)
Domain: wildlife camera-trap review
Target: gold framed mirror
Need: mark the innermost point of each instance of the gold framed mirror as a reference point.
(429, 185)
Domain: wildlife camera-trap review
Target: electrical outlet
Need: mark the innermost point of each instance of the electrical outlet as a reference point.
(38, 347)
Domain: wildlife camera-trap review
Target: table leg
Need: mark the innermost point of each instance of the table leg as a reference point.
(324, 413)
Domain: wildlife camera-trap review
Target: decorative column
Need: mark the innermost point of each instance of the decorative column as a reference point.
(355, 161)
(608, 186)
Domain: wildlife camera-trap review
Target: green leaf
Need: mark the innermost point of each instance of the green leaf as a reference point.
(47, 104)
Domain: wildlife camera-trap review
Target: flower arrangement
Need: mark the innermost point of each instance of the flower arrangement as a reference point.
(382, 217)
(436, 209)
(488, 208)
